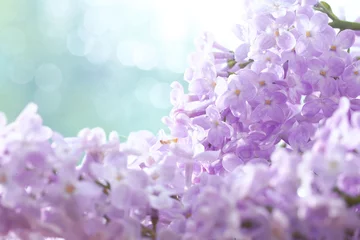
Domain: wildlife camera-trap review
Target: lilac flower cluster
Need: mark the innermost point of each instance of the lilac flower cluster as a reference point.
(264, 145)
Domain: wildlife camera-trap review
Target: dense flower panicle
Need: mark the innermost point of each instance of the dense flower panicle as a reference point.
(263, 144)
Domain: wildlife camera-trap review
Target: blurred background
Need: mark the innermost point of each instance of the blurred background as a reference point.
(106, 63)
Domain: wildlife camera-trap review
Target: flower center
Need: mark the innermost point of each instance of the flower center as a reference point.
(323, 73)
(276, 5)
(333, 48)
(174, 140)
(69, 188)
(356, 73)
(262, 83)
(119, 177)
(3, 179)
(268, 102)
(308, 34)
(155, 175)
(237, 92)
(277, 33)
(333, 165)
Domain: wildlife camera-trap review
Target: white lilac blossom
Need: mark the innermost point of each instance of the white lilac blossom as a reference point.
(264, 144)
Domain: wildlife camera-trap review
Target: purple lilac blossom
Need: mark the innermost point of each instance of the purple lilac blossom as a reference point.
(263, 144)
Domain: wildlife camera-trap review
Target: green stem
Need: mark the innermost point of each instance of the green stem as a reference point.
(350, 200)
(345, 25)
(326, 8)
(147, 232)
(154, 220)
(336, 23)
(243, 65)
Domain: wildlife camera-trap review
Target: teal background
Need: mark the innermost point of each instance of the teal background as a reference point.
(106, 63)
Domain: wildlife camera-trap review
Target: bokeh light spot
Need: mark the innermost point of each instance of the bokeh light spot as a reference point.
(12, 41)
(159, 95)
(48, 102)
(48, 77)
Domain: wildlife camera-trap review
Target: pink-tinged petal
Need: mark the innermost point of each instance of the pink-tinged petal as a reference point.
(208, 70)
(198, 86)
(248, 92)
(355, 105)
(205, 41)
(294, 96)
(299, 138)
(258, 66)
(299, 65)
(328, 107)
(98, 170)
(230, 161)
(163, 201)
(246, 75)
(137, 178)
(357, 32)
(312, 77)
(226, 129)
(261, 22)
(288, 3)
(336, 66)
(241, 32)
(316, 64)
(189, 169)
(265, 41)
(353, 90)
(287, 20)
(328, 87)
(238, 109)
(278, 70)
(242, 52)
(116, 159)
(121, 196)
(176, 94)
(221, 86)
(345, 39)
(311, 108)
(256, 136)
(268, 77)
(310, 2)
(88, 189)
(188, 74)
(278, 13)
(319, 43)
(355, 119)
(302, 23)
(276, 113)
(302, 45)
(213, 113)
(182, 118)
(259, 113)
(319, 21)
(305, 88)
(306, 9)
(215, 137)
(166, 234)
(286, 41)
(279, 97)
(207, 157)
(202, 121)
(225, 99)
(329, 34)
